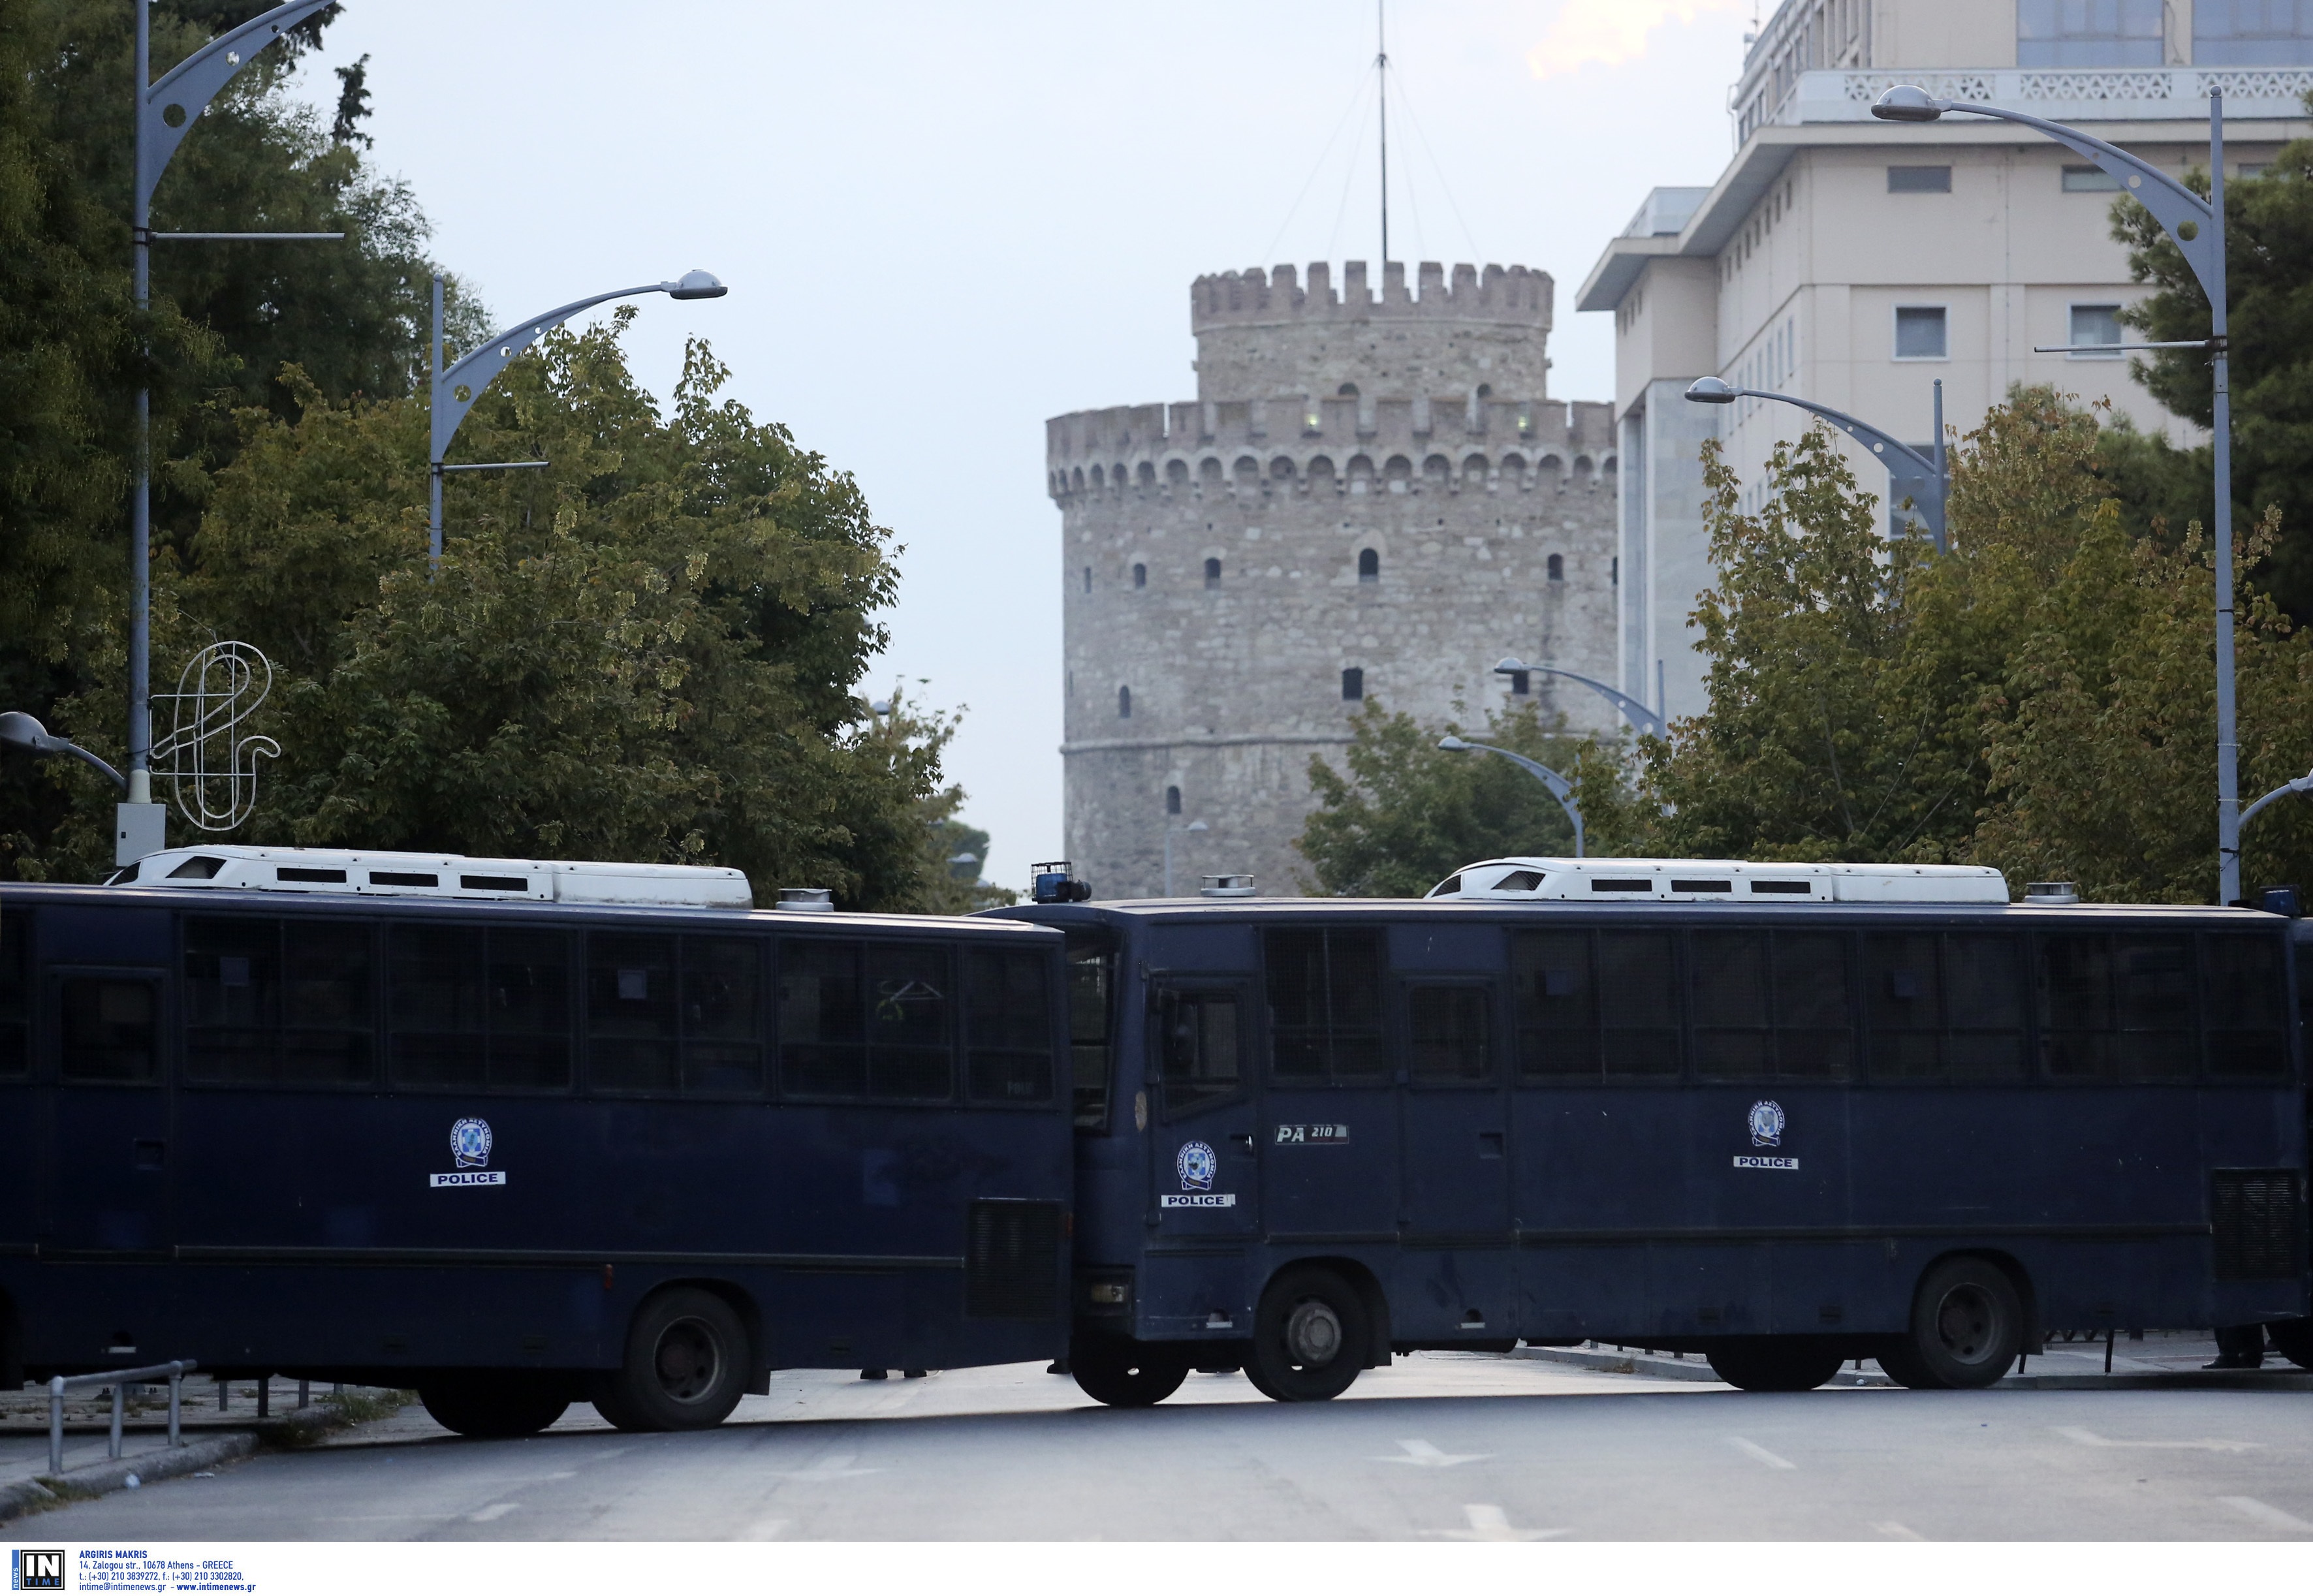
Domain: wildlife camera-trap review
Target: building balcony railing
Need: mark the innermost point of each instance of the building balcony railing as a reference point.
(2127, 94)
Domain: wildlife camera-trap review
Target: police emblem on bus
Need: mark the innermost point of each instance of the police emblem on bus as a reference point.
(1196, 1166)
(1767, 1124)
(469, 1142)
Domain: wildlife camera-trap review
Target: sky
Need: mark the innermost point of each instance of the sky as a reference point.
(943, 223)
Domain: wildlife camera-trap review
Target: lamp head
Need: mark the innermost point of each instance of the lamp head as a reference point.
(1710, 390)
(1511, 665)
(20, 730)
(1453, 745)
(1197, 825)
(696, 285)
(963, 858)
(1908, 103)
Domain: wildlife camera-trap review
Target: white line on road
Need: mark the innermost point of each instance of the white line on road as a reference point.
(1752, 1449)
(1895, 1531)
(1490, 1523)
(492, 1514)
(2265, 1513)
(1421, 1454)
(836, 1467)
(2091, 1438)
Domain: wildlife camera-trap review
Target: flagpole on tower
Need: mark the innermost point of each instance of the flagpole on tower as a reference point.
(1381, 68)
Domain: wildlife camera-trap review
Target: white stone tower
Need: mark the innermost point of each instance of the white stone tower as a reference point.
(1372, 496)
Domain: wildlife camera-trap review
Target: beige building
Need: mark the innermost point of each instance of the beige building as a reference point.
(1855, 262)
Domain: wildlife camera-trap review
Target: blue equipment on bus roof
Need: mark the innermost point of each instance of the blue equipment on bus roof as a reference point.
(1056, 883)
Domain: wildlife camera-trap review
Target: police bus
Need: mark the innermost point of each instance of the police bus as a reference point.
(519, 1133)
(1779, 1115)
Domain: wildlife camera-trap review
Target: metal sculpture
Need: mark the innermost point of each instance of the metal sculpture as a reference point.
(210, 765)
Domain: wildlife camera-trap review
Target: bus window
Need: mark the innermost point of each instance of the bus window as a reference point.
(1814, 1023)
(109, 1026)
(469, 1007)
(1092, 981)
(2117, 1007)
(631, 1008)
(1903, 998)
(2245, 1006)
(1324, 1004)
(909, 1050)
(1449, 1028)
(15, 1004)
(1771, 1005)
(1009, 1016)
(1731, 1035)
(271, 1003)
(1640, 1009)
(1199, 1036)
(721, 1016)
(1557, 1014)
(822, 1019)
(1983, 993)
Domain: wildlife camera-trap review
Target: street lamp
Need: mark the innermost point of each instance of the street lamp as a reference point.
(1170, 833)
(1560, 787)
(1925, 483)
(456, 391)
(21, 732)
(2197, 227)
(1646, 721)
(2303, 784)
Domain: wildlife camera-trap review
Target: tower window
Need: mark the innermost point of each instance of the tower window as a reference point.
(1139, 575)
(1368, 565)
(1124, 704)
(1212, 573)
(1087, 579)
(1558, 567)
(1615, 572)
(1171, 801)
(1521, 683)
(1347, 391)
(1353, 684)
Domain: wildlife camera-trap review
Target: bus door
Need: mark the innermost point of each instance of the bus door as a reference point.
(1329, 1110)
(1456, 1156)
(105, 1173)
(1204, 1168)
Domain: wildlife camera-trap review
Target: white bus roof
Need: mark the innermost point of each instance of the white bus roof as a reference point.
(368, 873)
(1719, 880)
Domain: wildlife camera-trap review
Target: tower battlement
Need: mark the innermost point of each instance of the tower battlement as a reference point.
(1268, 336)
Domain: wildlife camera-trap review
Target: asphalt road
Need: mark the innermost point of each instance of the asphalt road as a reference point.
(1440, 1447)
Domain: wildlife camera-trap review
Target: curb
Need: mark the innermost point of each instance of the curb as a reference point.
(298, 1426)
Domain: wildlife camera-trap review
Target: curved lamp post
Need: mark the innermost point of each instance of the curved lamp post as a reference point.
(1646, 723)
(1171, 832)
(2303, 784)
(1560, 787)
(454, 390)
(2196, 226)
(21, 732)
(1925, 483)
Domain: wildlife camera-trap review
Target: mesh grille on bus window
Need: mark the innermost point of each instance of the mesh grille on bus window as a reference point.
(1012, 1260)
(2255, 1215)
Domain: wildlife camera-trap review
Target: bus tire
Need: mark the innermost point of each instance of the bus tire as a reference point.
(1967, 1329)
(493, 1404)
(1310, 1337)
(1773, 1363)
(2292, 1339)
(1124, 1373)
(686, 1365)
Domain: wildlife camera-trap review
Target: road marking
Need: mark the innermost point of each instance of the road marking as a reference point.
(1422, 1455)
(1752, 1449)
(492, 1514)
(1490, 1523)
(1895, 1531)
(2265, 1513)
(835, 1466)
(2091, 1438)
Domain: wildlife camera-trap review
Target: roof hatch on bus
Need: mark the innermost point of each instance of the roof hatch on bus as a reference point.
(360, 872)
(1719, 880)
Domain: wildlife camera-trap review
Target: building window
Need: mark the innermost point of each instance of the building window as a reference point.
(2089, 180)
(1087, 579)
(1347, 391)
(1212, 573)
(2091, 32)
(1368, 565)
(2252, 33)
(1171, 801)
(1353, 684)
(1139, 575)
(1124, 704)
(1920, 333)
(1558, 567)
(1522, 681)
(2096, 324)
(1614, 572)
(1919, 179)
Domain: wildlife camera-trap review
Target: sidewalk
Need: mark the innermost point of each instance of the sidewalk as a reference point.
(2163, 1359)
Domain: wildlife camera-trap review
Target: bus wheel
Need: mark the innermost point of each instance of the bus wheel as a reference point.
(1309, 1337)
(1125, 1373)
(686, 1365)
(492, 1404)
(1773, 1364)
(2292, 1339)
(1967, 1328)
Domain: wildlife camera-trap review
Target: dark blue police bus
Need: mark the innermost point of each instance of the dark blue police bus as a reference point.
(1779, 1115)
(518, 1134)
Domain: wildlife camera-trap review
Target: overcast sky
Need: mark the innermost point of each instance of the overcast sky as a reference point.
(943, 223)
